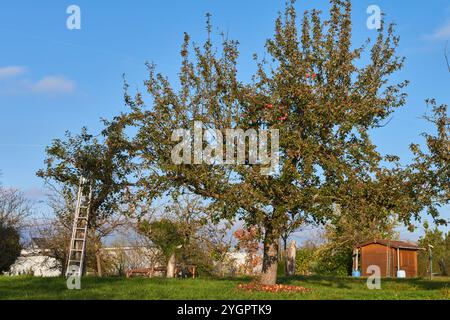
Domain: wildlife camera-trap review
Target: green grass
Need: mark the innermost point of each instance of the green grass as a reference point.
(205, 288)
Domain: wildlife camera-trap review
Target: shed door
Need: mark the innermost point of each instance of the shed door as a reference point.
(408, 262)
(374, 254)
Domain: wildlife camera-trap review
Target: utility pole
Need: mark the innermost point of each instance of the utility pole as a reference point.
(430, 257)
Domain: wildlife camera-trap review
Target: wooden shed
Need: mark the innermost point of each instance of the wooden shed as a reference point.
(389, 255)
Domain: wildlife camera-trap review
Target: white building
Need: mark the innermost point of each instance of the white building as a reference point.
(33, 261)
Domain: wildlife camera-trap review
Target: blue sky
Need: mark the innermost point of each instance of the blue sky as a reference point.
(53, 79)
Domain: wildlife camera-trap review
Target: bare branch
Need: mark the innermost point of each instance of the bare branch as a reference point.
(14, 208)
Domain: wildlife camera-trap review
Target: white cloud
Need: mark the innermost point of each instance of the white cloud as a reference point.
(442, 33)
(14, 82)
(11, 71)
(35, 193)
(54, 84)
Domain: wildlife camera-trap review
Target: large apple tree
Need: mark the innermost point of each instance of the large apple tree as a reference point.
(314, 87)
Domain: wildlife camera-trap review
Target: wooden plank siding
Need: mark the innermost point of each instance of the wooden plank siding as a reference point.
(385, 258)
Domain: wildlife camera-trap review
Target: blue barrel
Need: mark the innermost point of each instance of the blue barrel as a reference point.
(356, 274)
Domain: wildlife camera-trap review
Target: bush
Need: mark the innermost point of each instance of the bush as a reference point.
(324, 260)
(333, 261)
(281, 267)
(9, 247)
(194, 254)
(304, 261)
(440, 253)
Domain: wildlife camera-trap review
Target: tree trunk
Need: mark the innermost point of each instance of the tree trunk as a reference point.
(270, 258)
(99, 263)
(171, 267)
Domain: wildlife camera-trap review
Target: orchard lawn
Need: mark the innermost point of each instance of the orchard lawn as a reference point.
(221, 289)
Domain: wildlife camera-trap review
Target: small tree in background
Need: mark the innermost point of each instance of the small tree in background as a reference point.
(248, 242)
(15, 208)
(186, 230)
(204, 237)
(305, 262)
(55, 232)
(167, 236)
(55, 239)
(10, 246)
(103, 160)
(440, 251)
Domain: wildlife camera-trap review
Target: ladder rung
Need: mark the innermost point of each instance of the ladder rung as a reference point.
(76, 250)
(76, 261)
(81, 228)
(78, 239)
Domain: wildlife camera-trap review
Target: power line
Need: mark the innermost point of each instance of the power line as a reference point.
(21, 145)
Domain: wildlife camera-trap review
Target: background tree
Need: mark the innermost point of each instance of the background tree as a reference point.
(204, 240)
(54, 238)
(216, 245)
(185, 231)
(440, 251)
(305, 263)
(15, 208)
(55, 231)
(10, 246)
(313, 89)
(248, 242)
(167, 236)
(103, 160)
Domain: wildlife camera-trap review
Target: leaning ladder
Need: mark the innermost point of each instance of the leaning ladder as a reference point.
(79, 230)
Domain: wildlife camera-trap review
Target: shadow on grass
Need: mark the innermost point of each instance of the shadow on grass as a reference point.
(347, 282)
(320, 281)
(427, 284)
(230, 278)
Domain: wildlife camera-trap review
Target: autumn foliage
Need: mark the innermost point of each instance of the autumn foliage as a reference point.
(248, 241)
(254, 286)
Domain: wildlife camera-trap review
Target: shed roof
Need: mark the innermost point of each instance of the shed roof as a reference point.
(392, 244)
